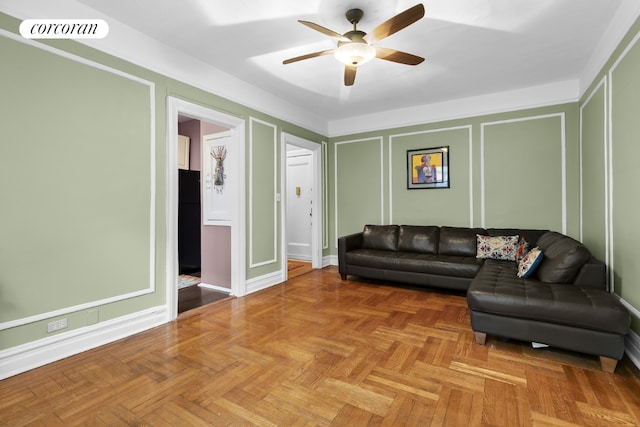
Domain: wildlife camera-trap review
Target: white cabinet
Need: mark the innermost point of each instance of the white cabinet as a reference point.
(183, 152)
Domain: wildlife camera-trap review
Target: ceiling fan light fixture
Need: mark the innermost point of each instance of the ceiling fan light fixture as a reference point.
(355, 53)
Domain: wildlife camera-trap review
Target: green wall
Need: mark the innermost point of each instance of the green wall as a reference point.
(610, 146)
(430, 206)
(263, 210)
(516, 169)
(59, 175)
(82, 178)
(359, 178)
(594, 179)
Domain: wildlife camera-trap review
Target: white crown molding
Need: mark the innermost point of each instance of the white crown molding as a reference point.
(499, 102)
(621, 23)
(131, 45)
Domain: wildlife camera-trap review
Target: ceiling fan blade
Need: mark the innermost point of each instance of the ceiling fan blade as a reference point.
(349, 75)
(325, 31)
(397, 56)
(395, 24)
(308, 56)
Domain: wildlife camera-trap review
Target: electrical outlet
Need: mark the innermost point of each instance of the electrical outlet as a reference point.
(56, 325)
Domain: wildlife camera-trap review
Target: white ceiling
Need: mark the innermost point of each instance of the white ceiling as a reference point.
(472, 47)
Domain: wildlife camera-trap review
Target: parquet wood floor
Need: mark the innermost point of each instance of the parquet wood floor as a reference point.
(298, 268)
(319, 351)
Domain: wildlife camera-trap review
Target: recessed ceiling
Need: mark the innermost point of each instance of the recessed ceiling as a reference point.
(472, 47)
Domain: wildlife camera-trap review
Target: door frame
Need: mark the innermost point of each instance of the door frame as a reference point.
(316, 229)
(236, 126)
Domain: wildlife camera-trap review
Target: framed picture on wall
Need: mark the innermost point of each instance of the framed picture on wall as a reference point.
(428, 168)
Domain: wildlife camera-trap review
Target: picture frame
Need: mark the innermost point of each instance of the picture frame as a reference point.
(428, 168)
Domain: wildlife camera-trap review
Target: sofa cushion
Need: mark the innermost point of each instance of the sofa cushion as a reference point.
(373, 258)
(497, 247)
(497, 290)
(523, 248)
(563, 257)
(459, 241)
(441, 265)
(530, 262)
(421, 239)
(382, 237)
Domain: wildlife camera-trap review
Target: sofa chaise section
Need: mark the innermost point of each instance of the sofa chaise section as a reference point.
(565, 305)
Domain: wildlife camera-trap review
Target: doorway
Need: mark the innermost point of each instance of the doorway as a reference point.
(302, 236)
(299, 190)
(236, 126)
(204, 260)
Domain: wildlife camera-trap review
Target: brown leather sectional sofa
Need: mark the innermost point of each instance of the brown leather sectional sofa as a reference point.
(565, 303)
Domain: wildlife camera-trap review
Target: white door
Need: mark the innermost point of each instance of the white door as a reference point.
(218, 189)
(299, 206)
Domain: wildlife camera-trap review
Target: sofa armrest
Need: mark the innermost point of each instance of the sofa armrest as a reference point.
(592, 274)
(346, 244)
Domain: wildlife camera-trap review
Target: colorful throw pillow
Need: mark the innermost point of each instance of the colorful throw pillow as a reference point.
(530, 262)
(523, 248)
(497, 247)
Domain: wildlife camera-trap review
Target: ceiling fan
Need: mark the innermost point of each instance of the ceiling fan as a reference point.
(355, 47)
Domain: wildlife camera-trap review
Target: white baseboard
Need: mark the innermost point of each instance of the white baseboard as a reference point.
(299, 257)
(265, 281)
(28, 356)
(329, 260)
(632, 340)
(632, 347)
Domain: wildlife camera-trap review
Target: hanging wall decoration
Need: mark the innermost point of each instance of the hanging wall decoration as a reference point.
(219, 153)
(428, 168)
(219, 178)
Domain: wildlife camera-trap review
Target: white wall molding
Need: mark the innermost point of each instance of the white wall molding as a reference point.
(563, 162)
(28, 356)
(605, 168)
(325, 196)
(252, 263)
(391, 137)
(151, 287)
(335, 179)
